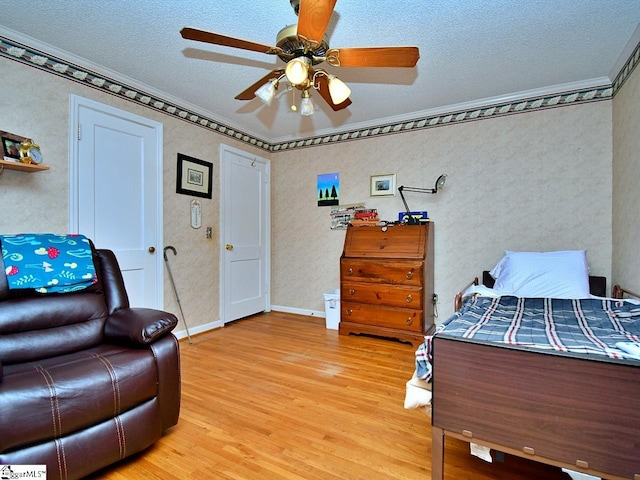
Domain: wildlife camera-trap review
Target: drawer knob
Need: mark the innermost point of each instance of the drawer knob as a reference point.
(409, 275)
(409, 298)
(409, 321)
(350, 271)
(349, 311)
(352, 291)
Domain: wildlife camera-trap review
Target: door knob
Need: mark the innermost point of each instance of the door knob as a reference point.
(228, 246)
(152, 249)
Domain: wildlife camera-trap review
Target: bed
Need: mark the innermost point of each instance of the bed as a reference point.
(573, 401)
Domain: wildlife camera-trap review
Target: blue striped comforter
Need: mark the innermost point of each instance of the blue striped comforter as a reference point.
(602, 327)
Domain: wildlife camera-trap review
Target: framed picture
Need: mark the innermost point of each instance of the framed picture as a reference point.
(194, 177)
(328, 189)
(11, 148)
(383, 185)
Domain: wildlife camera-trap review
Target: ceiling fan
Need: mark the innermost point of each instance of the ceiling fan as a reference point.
(302, 47)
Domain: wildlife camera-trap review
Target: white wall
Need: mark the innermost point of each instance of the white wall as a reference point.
(538, 180)
(39, 202)
(532, 181)
(626, 178)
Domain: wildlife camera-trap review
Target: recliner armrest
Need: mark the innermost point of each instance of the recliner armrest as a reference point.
(138, 326)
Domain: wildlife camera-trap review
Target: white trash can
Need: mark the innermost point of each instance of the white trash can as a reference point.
(332, 308)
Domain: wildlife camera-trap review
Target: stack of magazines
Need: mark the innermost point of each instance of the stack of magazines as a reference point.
(342, 215)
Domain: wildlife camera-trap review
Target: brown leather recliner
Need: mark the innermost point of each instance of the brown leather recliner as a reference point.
(85, 380)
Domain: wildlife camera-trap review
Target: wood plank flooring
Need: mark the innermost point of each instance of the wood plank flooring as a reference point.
(278, 396)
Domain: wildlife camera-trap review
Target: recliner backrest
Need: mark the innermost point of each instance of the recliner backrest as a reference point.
(34, 326)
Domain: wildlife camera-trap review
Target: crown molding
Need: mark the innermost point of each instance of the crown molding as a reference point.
(26, 50)
(29, 51)
(629, 65)
(626, 55)
(453, 117)
(473, 106)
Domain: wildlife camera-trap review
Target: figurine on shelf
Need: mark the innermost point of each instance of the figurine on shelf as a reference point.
(30, 152)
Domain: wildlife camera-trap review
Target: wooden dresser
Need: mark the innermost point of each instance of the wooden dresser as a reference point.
(386, 282)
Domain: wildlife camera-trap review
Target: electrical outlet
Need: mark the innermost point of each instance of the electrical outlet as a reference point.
(209, 232)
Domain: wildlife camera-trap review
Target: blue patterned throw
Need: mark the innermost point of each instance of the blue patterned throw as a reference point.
(47, 262)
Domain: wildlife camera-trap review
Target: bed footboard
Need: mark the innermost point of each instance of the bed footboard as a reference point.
(561, 410)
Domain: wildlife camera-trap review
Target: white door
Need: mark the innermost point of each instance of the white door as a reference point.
(116, 192)
(245, 234)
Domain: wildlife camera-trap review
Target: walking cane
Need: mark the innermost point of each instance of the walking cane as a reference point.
(173, 284)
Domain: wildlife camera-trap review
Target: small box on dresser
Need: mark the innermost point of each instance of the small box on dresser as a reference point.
(386, 282)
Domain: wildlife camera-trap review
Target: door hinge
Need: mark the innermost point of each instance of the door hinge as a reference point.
(79, 132)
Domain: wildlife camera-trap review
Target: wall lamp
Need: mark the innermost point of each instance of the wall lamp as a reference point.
(411, 220)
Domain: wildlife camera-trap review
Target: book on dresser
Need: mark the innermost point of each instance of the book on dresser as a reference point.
(386, 282)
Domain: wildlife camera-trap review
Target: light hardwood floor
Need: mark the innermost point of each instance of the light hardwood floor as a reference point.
(278, 396)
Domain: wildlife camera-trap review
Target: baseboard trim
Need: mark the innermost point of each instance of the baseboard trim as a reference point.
(298, 311)
(180, 334)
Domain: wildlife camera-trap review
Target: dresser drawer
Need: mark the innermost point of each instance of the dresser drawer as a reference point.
(400, 241)
(381, 294)
(381, 271)
(381, 316)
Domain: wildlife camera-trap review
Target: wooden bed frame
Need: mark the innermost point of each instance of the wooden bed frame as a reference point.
(568, 411)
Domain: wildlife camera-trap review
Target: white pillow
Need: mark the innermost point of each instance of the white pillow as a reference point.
(562, 274)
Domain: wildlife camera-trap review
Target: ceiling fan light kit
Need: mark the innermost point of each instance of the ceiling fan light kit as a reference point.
(267, 91)
(306, 106)
(297, 71)
(338, 90)
(303, 46)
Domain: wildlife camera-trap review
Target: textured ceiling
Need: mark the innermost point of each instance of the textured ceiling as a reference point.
(471, 52)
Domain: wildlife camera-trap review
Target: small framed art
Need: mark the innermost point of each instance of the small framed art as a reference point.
(194, 177)
(328, 189)
(383, 185)
(11, 148)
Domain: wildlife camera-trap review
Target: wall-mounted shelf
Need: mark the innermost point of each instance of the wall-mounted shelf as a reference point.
(22, 167)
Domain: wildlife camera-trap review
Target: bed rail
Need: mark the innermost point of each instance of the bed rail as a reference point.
(457, 302)
(619, 292)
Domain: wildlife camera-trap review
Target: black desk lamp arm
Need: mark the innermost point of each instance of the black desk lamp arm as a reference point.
(402, 188)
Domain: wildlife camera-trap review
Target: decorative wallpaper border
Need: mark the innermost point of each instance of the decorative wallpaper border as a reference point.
(455, 117)
(32, 57)
(625, 72)
(56, 66)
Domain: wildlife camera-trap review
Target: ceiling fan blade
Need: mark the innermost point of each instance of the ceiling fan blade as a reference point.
(250, 92)
(323, 90)
(374, 57)
(217, 39)
(313, 18)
